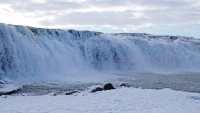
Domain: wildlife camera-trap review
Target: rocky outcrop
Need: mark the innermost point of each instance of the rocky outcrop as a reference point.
(97, 89)
(107, 86)
(71, 92)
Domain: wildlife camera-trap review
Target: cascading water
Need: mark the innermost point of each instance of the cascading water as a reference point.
(43, 53)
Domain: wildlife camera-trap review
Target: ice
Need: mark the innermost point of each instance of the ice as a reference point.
(9, 89)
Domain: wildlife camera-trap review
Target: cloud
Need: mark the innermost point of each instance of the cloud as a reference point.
(104, 15)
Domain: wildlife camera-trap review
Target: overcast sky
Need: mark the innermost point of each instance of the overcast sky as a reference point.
(177, 17)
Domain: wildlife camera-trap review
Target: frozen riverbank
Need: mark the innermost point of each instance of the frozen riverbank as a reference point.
(122, 100)
(182, 82)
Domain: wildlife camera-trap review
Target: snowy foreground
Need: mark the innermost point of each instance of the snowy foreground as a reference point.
(123, 100)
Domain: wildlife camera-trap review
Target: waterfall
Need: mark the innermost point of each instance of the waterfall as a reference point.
(36, 52)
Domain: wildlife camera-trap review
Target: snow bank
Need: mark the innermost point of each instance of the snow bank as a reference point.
(9, 89)
(124, 100)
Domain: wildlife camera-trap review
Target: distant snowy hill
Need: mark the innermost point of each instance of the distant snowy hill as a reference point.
(40, 53)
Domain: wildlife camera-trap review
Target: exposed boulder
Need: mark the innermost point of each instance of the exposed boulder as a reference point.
(108, 86)
(71, 92)
(97, 89)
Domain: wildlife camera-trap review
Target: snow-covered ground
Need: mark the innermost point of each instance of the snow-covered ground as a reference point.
(122, 100)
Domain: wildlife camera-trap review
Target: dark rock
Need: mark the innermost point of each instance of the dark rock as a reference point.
(173, 37)
(124, 85)
(71, 92)
(108, 86)
(97, 89)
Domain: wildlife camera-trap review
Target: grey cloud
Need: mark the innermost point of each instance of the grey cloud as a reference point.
(49, 6)
(29, 5)
(156, 12)
(96, 18)
(125, 18)
(158, 3)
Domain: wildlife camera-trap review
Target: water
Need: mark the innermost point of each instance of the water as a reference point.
(182, 82)
(33, 54)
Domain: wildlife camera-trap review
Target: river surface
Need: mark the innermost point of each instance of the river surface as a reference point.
(189, 82)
